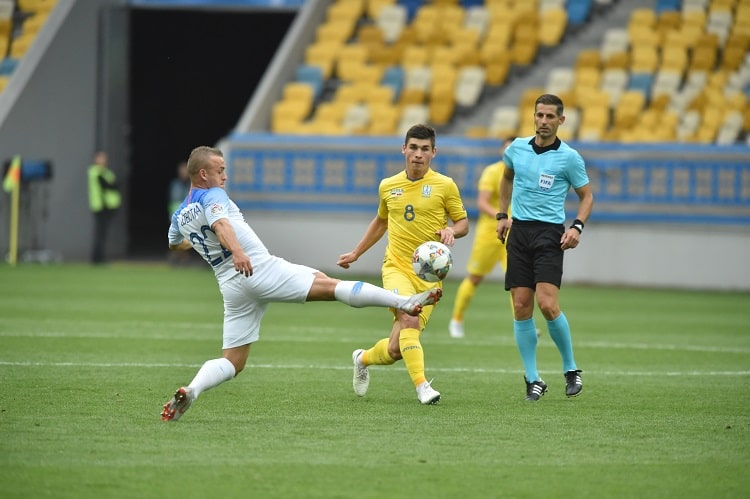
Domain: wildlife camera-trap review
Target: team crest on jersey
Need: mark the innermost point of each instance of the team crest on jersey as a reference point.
(216, 209)
(397, 192)
(426, 191)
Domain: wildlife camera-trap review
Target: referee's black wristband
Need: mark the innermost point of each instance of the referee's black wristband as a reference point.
(577, 225)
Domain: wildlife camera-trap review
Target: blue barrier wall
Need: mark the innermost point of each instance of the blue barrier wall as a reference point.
(645, 183)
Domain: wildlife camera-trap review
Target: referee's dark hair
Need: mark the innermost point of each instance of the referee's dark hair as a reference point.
(550, 100)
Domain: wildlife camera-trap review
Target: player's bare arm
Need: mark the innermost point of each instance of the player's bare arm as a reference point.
(449, 235)
(506, 192)
(572, 235)
(228, 239)
(373, 234)
(483, 203)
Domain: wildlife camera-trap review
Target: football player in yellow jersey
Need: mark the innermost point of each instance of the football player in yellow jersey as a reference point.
(487, 251)
(415, 206)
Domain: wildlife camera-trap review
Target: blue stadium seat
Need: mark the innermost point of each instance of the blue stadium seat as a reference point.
(312, 75)
(641, 82)
(7, 66)
(412, 6)
(578, 11)
(665, 5)
(394, 78)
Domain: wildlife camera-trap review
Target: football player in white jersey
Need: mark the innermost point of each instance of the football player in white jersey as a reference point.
(249, 276)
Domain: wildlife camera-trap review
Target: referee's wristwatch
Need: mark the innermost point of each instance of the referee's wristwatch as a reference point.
(501, 216)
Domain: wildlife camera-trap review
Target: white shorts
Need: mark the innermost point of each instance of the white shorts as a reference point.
(246, 298)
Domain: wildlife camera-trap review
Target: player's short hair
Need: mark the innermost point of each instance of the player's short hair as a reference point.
(199, 158)
(550, 100)
(420, 131)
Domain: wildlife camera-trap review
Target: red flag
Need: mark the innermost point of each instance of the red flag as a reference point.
(13, 175)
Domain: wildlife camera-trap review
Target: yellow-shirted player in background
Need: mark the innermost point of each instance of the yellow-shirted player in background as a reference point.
(415, 206)
(487, 250)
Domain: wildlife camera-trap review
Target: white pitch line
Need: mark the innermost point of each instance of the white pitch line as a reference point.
(310, 335)
(475, 370)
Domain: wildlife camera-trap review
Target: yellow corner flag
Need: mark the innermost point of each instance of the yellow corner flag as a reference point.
(13, 176)
(12, 184)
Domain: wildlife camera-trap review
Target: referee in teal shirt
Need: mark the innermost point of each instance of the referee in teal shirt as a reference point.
(540, 170)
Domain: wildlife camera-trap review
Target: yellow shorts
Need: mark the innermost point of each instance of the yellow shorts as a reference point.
(487, 252)
(406, 284)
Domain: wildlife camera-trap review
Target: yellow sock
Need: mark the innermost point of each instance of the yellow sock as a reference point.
(377, 355)
(464, 295)
(411, 351)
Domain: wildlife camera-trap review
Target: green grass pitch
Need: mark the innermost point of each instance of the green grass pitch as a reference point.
(88, 356)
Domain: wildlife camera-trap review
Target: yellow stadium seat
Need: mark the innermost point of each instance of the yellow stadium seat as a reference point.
(644, 59)
(588, 58)
(642, 16)
(323, 55)
(524, 48)
(414, 55)
(349, 10)
(552, 26)
(629, 108)
(21, 44)
(383, 119)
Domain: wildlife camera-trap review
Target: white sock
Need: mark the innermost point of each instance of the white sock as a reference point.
(212, 373)
(363, 294)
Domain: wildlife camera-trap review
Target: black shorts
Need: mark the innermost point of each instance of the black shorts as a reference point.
(534, 254)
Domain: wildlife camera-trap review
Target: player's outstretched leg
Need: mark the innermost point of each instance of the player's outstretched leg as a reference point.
(176, 407)
(414, 304)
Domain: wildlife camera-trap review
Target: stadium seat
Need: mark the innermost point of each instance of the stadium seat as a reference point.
(356, 119)
(666, 82)
(322, 55)
(594, 123)
(373, 7)
(301, 93)
(545, 5)
(350, 10)
(644, 59)
(394, 78)
(674, 58)
(615, 40)
(504, 122)
(7, 66)
(569, 129)
(478, 19)
(20, 45)
(313, 76)
(560, 79)
(666, 6)
(629, 108)
(391, 20)
(614, 82)
(552, 26)
(383, 119)
(641, 82)
(338, 31)
(377, 94)
(44, 6)
(579, 11)
(469, 85)
(411, 115)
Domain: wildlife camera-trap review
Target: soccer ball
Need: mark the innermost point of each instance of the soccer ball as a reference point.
(432, 261)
